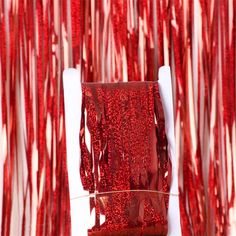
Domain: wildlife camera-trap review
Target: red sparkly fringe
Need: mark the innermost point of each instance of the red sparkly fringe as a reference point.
(126, 40)
(35, 197)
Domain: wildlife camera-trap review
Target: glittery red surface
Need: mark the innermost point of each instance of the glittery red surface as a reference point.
(128, 151)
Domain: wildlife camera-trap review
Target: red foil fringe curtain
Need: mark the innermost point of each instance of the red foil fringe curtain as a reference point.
(204, 65)
(126, 40)
(33, 53)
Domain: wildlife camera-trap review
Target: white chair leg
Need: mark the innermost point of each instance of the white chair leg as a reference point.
(72, 100)
(167, 101)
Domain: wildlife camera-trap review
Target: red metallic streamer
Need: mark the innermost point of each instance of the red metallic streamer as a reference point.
(116, 41)
(32, 120)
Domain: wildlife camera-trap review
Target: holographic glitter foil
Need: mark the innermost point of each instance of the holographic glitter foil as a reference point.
(127, 151)
(114, 40)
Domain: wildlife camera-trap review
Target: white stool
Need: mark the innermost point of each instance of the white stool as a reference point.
(80, 215)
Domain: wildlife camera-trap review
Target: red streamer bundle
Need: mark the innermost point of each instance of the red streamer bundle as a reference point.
(35, 199)
(206, 152)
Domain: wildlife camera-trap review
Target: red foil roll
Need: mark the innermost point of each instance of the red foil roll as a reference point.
(127, 152)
